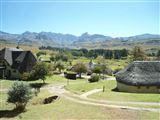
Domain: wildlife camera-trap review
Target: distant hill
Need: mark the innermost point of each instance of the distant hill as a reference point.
(71, 41)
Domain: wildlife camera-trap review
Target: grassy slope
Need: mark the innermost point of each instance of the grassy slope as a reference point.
(109, 94)
(64, 109)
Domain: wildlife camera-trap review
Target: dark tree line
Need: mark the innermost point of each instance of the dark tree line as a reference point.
(107, 54)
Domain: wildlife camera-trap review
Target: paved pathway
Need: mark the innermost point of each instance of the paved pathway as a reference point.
(59, 89)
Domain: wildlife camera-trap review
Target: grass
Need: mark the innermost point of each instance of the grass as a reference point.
(112, 63)
(5, 84)
(80, 86)
(64, 109)
(84, 86)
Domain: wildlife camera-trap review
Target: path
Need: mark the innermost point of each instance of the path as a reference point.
(59, 89)
(90, 93)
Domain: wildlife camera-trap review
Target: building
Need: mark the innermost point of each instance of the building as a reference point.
(140, 76)
(14, 62)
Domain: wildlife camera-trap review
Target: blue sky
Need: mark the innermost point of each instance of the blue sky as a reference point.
(113, 18)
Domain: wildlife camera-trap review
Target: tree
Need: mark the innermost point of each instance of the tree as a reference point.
(97, 69)
(158, 55)
(61, 56)
(100, 60)
(52, 58)
(124, 53)
(117, 54)
(108, 54)
(59, 65)
(138, 54)
(40, 53)
(80, 68)
(40, 71)
(19, 94)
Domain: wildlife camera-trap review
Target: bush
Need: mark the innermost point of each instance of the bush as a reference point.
(19, 94)
(25, 76)
(94, 78)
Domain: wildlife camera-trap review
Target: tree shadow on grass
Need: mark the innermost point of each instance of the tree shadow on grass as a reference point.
(37, 85)
(10, 113)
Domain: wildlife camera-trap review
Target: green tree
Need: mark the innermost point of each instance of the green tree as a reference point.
(40, 71)
(52, 58)
(158, 55)
(59, 65)
(97, 69)
(40, 53)
(80, 68)
(19, 94)
(138, 54)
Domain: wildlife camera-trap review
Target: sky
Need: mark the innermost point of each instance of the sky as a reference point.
(112, 18)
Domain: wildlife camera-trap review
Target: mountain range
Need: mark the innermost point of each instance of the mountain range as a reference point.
(71, 41)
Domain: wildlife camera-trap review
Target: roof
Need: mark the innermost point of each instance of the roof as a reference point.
(6, 54)
(17, 58)
(15, 49)
(144, 73)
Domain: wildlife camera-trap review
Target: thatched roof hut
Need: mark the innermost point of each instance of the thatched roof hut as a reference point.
(140, 73)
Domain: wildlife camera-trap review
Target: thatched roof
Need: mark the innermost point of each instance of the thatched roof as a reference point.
(144, 73)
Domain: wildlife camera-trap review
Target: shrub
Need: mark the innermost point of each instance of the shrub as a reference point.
(25, 76)
(94, 78)
(19, 94)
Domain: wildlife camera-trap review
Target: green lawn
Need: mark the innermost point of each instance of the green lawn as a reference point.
(5, 84)
(84, 86)
(80, 86)
(64, 109)
(113, 63)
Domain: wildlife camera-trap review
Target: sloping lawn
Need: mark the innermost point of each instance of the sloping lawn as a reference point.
(64, 109)
(84, 86)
